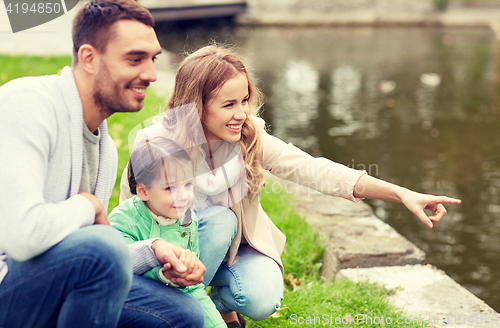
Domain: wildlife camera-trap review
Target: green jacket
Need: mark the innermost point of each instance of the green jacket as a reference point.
(132, 218)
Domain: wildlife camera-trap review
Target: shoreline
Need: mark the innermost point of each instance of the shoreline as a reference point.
(361, 247)
(376, 14)
(54, 37)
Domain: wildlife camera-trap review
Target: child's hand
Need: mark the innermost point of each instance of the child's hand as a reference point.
(181, 266)
(189, 259)
(186, 257)
(194, 270)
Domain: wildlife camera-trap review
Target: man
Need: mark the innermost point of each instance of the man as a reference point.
(60, 261)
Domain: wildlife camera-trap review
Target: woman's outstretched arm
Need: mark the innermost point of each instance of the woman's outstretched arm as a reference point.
(370, 187)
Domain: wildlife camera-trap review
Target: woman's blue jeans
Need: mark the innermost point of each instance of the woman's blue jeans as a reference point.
(254, 285)
(84, 281)
(217, 227)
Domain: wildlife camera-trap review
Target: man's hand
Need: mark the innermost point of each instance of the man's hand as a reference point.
(181, 266)
(100, 215)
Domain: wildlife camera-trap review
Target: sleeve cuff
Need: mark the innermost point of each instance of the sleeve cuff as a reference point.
(166, 280)
(143, 257)
(352, 186)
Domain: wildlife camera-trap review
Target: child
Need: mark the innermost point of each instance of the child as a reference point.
(212, 181)
(161, 178)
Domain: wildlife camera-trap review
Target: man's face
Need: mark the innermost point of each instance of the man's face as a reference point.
(126, 68)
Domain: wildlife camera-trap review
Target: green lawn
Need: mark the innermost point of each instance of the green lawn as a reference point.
(307, 299)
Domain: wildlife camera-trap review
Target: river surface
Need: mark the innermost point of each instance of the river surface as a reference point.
(419, 107)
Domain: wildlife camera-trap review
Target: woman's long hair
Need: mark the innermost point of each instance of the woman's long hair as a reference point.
(198, 79)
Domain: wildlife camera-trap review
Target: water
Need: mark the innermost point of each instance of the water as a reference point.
(324, 94)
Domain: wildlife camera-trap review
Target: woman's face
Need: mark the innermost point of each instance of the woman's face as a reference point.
(227, 111)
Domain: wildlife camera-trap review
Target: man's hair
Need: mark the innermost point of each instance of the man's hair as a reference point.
(92, 23)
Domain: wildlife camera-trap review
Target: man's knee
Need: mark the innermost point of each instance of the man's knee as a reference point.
(102, 239)
(160, 306)
(106, 248)
(195, 317)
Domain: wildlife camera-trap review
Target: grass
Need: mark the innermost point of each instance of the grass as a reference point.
(120, 125)
(316, 302)
(308, 299)
(12, 67)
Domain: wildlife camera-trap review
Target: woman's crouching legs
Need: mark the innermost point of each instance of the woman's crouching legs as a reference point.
(217, 227)
(252, 287)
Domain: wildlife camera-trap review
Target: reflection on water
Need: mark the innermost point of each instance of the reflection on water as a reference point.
(295, 102)
(358, 96)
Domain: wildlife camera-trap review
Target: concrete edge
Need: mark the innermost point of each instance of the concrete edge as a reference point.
(458, 18)
(421, 290)
(426, 294)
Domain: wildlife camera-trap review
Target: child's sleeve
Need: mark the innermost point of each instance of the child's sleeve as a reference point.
(154, 274)
(222, 178)
(157, 275)
(195, 239)
(122, 222)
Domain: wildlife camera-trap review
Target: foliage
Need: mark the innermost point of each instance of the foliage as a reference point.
(441, 4)
(304, 249)
(12, 67)
(120, 125)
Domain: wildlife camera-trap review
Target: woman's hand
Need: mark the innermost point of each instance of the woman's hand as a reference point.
(370, 187)
(417, 203)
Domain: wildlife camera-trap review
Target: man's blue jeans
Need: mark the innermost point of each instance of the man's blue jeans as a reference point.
(84, 281)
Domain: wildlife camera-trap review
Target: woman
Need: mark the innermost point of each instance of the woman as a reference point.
(225, 100)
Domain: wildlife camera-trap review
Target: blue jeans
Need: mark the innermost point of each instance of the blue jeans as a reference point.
(217, 227)
(253, 286)
(83, 281)
(151, 304)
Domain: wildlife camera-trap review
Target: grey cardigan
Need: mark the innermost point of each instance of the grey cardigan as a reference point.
(41, 154)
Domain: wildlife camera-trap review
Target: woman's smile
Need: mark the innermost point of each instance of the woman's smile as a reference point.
(228, 110)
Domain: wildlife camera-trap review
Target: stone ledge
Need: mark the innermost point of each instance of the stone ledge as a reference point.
(355, 237)
(361, 247)
(422, 291)
(454, 17)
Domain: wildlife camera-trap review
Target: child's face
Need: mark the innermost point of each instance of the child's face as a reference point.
(173, 199)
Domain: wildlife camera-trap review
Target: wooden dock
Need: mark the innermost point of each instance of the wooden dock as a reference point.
(180, 10)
